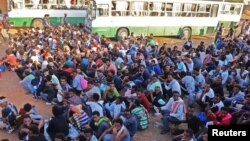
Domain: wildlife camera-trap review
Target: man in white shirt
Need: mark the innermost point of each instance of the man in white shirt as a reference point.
(176, 108)
(95, 104)
(172, 84)
(92, 89)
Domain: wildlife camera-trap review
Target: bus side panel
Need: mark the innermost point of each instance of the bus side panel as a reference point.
(103, 31)
(139, 30)
(156, 31)
(172, 31)
(18, 22)
(199, 30)
(71, 20)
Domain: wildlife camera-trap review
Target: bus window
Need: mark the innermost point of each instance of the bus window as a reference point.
(156, 8)
(237, 9)
(139, 8)
(102, 10)
(120, 8)
(226, 9)
(18, 4)
(177, 9)
(169, 9)
(189, 10)
(201, 10)
(214, 11)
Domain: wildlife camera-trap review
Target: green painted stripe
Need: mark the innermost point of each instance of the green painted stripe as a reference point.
(157, 31)
(55, 20)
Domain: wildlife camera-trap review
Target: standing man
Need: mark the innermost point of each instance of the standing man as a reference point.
(5, 28)
(65, 19)
(219, 32)
(46, 22)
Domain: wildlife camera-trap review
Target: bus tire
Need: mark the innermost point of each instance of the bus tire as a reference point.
(186, 33)
(122, 33)
(37, 23)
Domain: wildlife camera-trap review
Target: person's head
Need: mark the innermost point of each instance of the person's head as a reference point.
(127, 112)
(176, 95)
(154, 78)
(56, 110)
(88, 132)
(34, 130)
(74, 73)
(60, 137)
(99, 73)
(65, 14)
(188, 134)
(204, 136)
(90, 84)
(63, 81)
(142, 68)
(118, 123)
(119, 100)
(27, 107)
(247, 99)
(139, 91)
(108, 63)
(27, 120)
(224, 111)
(96, 97)
(95, 116)
(216, 98)
(190, 110)
(71, 92)
(3, 101)
(157, 90)
(236, 88)
(111, 86)
(170, 78)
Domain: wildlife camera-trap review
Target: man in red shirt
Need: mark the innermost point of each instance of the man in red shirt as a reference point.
(144, 101)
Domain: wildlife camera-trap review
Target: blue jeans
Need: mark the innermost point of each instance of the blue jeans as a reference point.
(166, 121)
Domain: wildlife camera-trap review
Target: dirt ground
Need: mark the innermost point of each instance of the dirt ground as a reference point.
(10, 88)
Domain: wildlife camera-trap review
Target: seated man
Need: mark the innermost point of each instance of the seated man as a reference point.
(102, 123)
(27, 122)
(9, 113)
(118, 130)
(176, 112)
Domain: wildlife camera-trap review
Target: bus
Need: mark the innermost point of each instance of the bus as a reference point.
(183, 18)
(27, 13)
(119, 18)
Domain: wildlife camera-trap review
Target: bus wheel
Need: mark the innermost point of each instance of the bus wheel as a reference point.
(37, 23)
(122, 33)
(186, 33)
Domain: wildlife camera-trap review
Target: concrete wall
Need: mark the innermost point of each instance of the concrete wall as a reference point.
(3, 6)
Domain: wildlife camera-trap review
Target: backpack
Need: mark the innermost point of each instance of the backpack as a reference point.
(83, 83)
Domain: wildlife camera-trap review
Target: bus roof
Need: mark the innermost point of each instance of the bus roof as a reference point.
(103, 1)
(183, 1)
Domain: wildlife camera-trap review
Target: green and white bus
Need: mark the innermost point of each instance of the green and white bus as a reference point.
(118, 18)
(26, 13)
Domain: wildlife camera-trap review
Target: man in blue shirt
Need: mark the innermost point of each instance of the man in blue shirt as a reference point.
(130, 123)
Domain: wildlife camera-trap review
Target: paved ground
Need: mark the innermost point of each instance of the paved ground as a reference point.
(9, 87)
